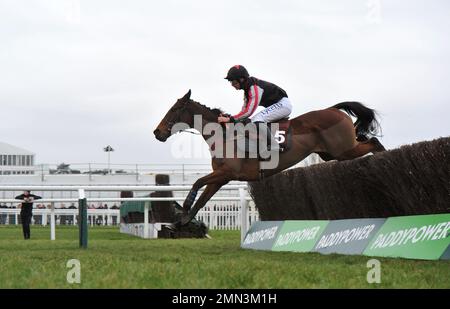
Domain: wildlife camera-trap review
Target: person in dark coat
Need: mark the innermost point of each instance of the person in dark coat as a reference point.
(26, 212)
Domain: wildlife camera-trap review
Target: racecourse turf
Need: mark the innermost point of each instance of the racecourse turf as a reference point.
(115, 260)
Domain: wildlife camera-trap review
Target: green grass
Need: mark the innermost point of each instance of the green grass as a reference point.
(115, 260)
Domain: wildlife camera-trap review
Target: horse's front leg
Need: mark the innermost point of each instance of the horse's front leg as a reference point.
(210, 190)
(213, 182)
(214, 177)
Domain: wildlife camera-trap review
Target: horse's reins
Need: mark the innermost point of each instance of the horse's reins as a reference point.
(186, 131)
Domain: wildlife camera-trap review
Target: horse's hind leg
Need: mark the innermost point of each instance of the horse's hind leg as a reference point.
(372, 145)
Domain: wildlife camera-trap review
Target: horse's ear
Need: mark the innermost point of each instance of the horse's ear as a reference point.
(187, 96)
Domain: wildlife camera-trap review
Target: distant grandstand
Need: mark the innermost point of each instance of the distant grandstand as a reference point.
(15, 160)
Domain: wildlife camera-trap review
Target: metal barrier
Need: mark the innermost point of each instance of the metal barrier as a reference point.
(82, 201)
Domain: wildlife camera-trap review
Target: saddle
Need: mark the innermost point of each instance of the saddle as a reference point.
(278, 137)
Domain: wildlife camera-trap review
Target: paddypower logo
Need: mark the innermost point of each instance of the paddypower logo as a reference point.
(412, 235)
(261, 235)
(416, 237)
(349, 235)
(297, 236)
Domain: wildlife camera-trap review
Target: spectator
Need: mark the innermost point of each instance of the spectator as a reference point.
(26, 211)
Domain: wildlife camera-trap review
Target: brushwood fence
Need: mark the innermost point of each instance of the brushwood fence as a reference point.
(411, 180)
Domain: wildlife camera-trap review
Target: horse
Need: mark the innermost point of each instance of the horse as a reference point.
(329, 132)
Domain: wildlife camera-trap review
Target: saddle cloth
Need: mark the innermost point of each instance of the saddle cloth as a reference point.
(245, 140)
(285, 131)
(280, 140)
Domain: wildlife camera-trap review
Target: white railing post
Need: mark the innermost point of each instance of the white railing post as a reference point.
(44, 218)
(52, 222)
(146, 204)
(213, 217)
(244, 213)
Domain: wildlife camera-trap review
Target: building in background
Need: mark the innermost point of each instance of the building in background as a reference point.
(15, 160)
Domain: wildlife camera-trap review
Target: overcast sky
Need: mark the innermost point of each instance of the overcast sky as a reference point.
(78, 75)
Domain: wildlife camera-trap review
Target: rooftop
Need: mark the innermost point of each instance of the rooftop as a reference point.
(7, 149)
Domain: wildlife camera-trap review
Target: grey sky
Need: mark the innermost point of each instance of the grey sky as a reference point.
(76, 76)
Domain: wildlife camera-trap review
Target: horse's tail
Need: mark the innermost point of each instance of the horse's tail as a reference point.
(366, 123)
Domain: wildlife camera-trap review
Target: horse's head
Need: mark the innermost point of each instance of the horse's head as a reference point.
(178, 113)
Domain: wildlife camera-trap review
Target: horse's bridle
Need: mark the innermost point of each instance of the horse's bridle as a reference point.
(178, 111)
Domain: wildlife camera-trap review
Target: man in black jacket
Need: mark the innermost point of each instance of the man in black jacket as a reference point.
(26, 211)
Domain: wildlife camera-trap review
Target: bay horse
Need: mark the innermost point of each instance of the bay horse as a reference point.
(328, 132)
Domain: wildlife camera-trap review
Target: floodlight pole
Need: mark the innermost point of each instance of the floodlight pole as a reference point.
(108, 149)
(109, 162)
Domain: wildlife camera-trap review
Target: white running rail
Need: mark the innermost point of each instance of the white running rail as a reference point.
(222, 217)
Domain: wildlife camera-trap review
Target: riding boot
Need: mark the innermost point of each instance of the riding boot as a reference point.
(263, 135)
(272, 144)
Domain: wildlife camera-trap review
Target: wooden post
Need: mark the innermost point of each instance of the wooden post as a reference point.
(82, 224)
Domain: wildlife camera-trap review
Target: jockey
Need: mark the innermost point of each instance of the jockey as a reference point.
(257, 93)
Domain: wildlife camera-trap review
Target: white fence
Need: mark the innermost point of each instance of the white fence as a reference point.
(62, 216)
(215, 216)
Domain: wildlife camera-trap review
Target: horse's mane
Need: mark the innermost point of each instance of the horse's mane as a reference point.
(215, 111)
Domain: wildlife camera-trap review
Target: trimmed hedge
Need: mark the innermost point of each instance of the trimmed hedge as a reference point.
(411, 180)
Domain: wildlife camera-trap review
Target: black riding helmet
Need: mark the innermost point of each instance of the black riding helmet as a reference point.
(236, 72)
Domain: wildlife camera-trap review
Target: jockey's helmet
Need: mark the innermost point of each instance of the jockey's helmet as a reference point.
(236, 72)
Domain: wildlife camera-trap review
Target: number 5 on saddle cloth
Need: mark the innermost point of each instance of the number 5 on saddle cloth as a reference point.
(263, 138)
